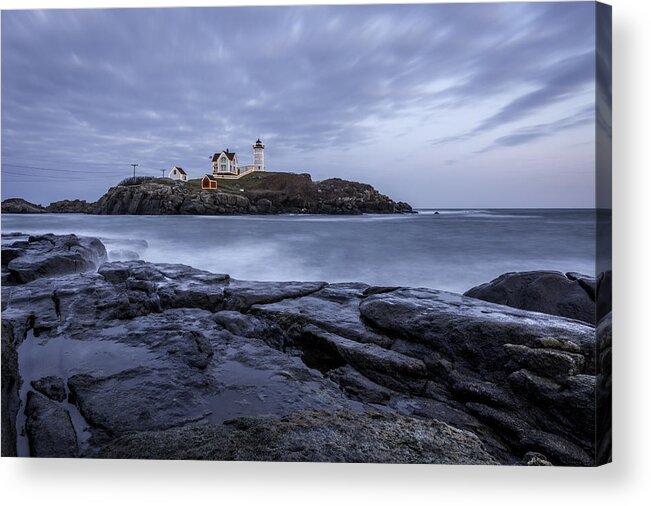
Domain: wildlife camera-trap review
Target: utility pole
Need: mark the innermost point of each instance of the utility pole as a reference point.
(163, 171)
(134, 165)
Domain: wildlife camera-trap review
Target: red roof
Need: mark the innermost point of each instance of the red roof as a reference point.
(228, 154)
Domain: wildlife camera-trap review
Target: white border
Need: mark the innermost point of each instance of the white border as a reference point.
(70, 482)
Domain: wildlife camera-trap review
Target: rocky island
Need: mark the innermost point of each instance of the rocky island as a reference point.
(255, 193)
(163, 361)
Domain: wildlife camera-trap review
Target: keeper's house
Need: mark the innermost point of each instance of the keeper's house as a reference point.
(225, 163)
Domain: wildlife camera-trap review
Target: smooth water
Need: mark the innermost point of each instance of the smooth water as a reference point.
(453, 250)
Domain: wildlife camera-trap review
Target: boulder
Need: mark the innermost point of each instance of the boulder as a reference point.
(549, 292)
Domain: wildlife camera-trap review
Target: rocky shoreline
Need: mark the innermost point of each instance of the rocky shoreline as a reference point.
(270, 193)
(167, 361)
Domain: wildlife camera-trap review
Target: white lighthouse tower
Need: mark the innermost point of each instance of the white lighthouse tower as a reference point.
(258, 155)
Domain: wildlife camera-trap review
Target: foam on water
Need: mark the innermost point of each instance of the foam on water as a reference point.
(453, 250)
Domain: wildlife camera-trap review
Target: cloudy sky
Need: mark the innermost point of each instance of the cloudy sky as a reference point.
(475, 105)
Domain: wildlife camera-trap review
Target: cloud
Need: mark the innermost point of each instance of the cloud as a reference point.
(554, 83)
(99, 89)
(528, 134)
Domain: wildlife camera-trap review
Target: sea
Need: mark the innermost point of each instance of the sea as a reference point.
(451, 250)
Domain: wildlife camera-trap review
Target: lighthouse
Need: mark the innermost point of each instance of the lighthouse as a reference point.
(258, 155)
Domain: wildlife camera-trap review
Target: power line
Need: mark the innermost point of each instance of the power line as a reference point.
(51, 169)
(90, 172)
(59, 170)
(49, 182)
(61, 173)
(16, 177)
(82, 162)
(48, 175)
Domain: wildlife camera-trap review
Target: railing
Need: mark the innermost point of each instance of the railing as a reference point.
(247, 169)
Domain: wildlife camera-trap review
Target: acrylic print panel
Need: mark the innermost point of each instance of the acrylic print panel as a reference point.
(372, 233)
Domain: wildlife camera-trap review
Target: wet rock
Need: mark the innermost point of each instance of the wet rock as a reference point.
(199, 350)
(543, 291)
(140, 399)
(383, 366)
(164, 286)
(49, 428)
(472, 348)
(312, 436)
(251, 327)
(468, 329)
(52, 387)
(50, 255)
(178, 350)
(241, 295)
(334, 308)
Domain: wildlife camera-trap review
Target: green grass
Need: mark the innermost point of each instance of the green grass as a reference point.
(251, 181)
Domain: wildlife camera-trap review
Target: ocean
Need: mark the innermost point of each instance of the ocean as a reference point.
(453, 250)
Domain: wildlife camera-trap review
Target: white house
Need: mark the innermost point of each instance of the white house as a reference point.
(225, 163)
(178, 174)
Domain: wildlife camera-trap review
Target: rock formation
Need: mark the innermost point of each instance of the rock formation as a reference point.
(174, 362)
(265, 193)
